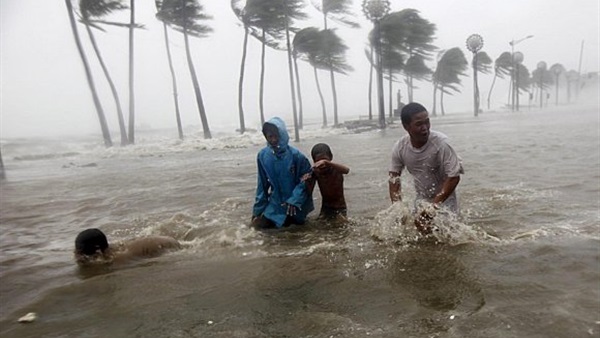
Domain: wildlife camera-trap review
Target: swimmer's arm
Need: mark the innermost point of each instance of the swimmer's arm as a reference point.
(447, 189)
(150, 246)
(395, 186)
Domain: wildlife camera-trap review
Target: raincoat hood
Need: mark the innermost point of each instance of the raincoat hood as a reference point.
(284, 137)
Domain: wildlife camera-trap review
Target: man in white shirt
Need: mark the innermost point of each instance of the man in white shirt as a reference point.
(427, 156)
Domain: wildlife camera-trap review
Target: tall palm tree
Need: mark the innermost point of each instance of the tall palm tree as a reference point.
(557, 70)
(244, 12)
(333, 50)
(502, 67)
(91, 12)
(307, 43)
(267, 24)
(340, 11)
(301, 41)
(542, 79)
(450, 67)
(412, 35)
(89, 77)
(392, 63)
(369, 53)
(291, 11)
(158, 4)
(523, 79)
(132, 25)
(481, 64)
(185, 16)
(325, 50)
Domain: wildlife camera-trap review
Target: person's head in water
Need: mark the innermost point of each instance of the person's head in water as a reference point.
(321, 151)
(89, 244)
(415, 120)
(271, 134)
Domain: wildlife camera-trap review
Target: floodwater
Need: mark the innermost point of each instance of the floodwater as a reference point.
(523, 259)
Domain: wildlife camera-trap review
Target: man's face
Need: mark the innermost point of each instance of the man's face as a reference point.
(272, 138)
(418, 129)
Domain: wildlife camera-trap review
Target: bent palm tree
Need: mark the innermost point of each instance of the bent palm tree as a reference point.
(291, 10)
(502, 67)
(307, 42)
(158, 4)
(481, 64)
(246, 17)
(91, 11)
(338, 10)
(542, 78)
(185, 16)
(132, 25)
(269, 25)
(89, 77)
(451, 66)
(333, 50)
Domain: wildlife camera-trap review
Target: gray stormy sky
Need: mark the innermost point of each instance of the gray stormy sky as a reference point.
(44, 90)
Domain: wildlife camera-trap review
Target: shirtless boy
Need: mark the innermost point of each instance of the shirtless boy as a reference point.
(330, 178)
(91, 247)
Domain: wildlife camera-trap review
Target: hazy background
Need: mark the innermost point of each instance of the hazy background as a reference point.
(44, 90)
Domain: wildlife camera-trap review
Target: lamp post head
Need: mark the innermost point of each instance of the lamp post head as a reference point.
(374, 10)
(474, 43)
(518, 57)
(542, 65)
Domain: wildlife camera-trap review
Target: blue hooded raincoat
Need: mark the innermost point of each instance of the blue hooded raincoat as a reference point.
(279, 180)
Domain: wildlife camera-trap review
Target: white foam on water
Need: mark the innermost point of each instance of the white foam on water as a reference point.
(396, 225)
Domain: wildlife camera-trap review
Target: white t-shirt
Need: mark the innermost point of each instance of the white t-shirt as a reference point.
(430, 165)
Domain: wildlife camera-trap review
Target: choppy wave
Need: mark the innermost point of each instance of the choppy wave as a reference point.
(148, 144)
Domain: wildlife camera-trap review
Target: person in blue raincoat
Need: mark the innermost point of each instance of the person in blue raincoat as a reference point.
(282, 197)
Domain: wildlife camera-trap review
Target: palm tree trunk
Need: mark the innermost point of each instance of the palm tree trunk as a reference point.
(323, 109)
(113, 90)
(391, 101)
(371, 87)
(332, 78)
(491, 88)
(291, 76)
(199, 100)
(556, 100)
(261, 92)
(335, 101)
(90, 79)
(442, 100)
(408, 81)
(131, 92)
(433, 111)
(174, 81)
(300, 113)
(510, 91)
(241, 81)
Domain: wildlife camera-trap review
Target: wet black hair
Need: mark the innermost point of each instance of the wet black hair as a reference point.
(321, 148)
(269, 127)
(89, 241)
(410, 110)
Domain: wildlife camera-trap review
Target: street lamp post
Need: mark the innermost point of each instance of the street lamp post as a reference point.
(542, 68)
(512, 73)
(474, 44)
(518, 57)
(375, 10)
